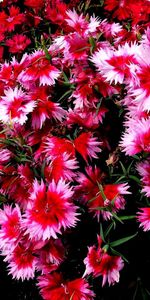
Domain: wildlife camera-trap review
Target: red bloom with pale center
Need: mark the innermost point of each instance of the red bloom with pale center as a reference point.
(99, 263)
(144, 218)
(50, 210)
(41, 69)
(18, 43)
(53, 287)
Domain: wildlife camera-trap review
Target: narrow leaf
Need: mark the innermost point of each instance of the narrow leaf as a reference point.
(123, 240)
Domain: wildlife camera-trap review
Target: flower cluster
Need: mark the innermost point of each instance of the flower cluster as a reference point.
(74, 98)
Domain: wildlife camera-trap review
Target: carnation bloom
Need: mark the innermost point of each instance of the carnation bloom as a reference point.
(99, 263)
(62, 166)
(21, 260)
(10, 221)
(56, 12)
(87, 145)
(116, 65)
(109, 198)
(76, 22)
(18, 43)
(15, 106)
(86, 118)
(36, 4)
(50, 256)
(53, 287)
(50, 210)
(14, 18)
(136, 137)
(41, 69)
(5, 156)
(144, 218)
(142, 92)
(144, 170)
(55, 146)
(45, 108)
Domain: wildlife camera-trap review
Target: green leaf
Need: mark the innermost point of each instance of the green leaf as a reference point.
(119, 254)
(101, 191)
(100, 208)
(109, 228)
(123, 168)
(127, 217)
(129, 167)
(66, 94)
(135, 179)
(116, 217)
(120, 178)
(92, 199)
(123, 240)
(102, 232)
(65, 77)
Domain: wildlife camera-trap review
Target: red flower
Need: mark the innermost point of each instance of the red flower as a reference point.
(50, 210)
(54, 287)
(17, 43)
(35, 4)
(10, 21)
(40, 69)
(87, 145)
(99, 263)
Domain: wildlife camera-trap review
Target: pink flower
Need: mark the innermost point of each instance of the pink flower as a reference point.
(76, 22)
(21, 260)
(136, 137)
(45, 108)
(87, 145)
(141, 93)
(99, 263)
(15, 106)
(5, 156)
(50, 256)
(144, 170)
(10, 221)
(62, 166)
(116, 65)
(50, 210)
(144, 218)
(89, 192)
(18, 43)
(40, 69)
(55, 146)
(53, 287)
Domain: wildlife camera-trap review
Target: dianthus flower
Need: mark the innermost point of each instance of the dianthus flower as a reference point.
(99, 263)
(53, 287)
(50, 210)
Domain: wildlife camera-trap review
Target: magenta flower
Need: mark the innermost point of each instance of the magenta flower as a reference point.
(50, 210)
(144, 218)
